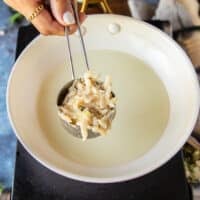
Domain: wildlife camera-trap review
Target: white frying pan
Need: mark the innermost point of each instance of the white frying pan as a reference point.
(156, 86)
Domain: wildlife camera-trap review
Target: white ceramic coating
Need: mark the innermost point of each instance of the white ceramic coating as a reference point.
(136, 38)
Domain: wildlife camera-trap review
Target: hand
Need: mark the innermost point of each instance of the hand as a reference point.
(49, 21)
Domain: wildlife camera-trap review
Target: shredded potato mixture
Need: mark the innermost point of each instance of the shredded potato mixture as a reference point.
(89, 104)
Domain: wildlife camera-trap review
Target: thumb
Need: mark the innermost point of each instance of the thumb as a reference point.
(62, 11)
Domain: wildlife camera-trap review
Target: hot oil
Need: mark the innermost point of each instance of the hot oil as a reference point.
(142, 111)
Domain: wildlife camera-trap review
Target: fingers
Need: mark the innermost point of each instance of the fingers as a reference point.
(44, 21)
(73, 28)
(62, 11)
(46, 25)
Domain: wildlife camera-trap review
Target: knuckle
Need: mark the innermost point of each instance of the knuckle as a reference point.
(45, 32)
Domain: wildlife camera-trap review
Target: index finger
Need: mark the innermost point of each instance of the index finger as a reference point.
(46, 25)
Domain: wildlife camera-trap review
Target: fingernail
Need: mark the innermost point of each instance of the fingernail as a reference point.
(68, 18)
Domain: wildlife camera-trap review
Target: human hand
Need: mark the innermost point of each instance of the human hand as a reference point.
(48, 21)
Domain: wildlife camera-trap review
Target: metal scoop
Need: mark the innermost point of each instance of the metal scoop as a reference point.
(71, 128)
(74, 129)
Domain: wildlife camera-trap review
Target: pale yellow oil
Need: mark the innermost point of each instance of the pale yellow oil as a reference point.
(142, 111)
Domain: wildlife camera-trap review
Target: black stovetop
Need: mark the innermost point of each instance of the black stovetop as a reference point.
(32, 181)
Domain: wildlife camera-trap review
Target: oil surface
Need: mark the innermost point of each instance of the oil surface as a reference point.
(142, 111)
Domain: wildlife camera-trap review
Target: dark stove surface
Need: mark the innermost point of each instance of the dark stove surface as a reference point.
(33, 181)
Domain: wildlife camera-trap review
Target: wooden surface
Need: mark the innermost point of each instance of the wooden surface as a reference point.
(117, 6)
